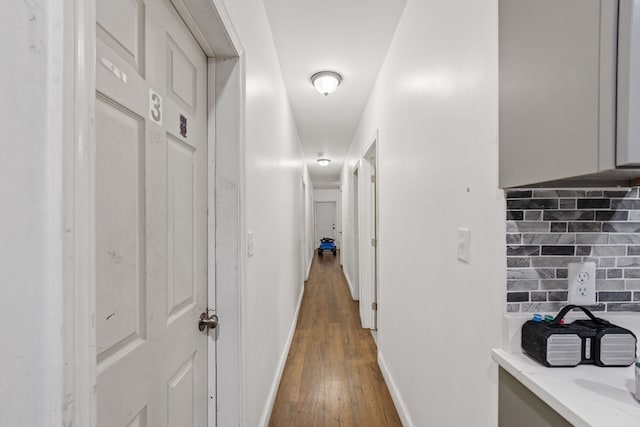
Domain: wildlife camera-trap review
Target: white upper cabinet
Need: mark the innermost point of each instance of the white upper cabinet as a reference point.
(628, 113)
(568, 98)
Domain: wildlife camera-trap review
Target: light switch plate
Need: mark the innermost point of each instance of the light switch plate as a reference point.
(464, 244)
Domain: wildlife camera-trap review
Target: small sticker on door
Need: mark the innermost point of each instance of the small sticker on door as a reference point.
(155, 107)
(183, 126)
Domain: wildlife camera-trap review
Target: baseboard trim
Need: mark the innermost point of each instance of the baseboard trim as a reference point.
(271, 400)
(306, 277)
(395, 393)
(350, 284)
(348, 279)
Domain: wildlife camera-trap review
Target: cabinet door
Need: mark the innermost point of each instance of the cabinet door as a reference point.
(628, 115)
(556, 89)
(518, 406)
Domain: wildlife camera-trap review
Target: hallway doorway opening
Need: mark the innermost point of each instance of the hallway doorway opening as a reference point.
(367, 210)
(325, 220)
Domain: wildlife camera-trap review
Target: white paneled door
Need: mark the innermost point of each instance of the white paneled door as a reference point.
(150, 217)
(325, 220)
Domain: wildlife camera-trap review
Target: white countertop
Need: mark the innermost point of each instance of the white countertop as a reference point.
(587, 395)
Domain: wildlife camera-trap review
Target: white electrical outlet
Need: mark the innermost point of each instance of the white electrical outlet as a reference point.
(582, 283)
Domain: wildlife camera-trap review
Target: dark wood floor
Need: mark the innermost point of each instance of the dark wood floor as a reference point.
(331, 377)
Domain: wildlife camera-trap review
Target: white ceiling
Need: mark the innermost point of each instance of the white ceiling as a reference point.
(350, 37)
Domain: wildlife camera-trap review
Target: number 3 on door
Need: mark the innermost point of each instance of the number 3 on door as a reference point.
(155, 107)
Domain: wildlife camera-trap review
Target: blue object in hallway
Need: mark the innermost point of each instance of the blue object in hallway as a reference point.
(327, 244)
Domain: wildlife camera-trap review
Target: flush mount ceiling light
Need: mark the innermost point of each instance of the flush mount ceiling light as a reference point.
(326, 82)
(324, 162)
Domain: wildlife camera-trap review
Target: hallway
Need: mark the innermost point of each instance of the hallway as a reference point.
(331, 377)
(162, 162)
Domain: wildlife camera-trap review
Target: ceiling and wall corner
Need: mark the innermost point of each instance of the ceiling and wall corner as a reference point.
(351, 38)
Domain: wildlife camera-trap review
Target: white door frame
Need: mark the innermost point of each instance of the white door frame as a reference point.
(305, 237)
(375, 228)
(368, 230)
(210, 24)
(355, 255)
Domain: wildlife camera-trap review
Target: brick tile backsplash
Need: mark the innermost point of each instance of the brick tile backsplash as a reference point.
(549, 228)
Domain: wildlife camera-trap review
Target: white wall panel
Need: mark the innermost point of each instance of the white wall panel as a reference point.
(435, 105)
(181, 397)
(181, 76)
(181, 219)
(120, 241)
(274, 210)
(31, 223)
(120, 24)
(140, 419)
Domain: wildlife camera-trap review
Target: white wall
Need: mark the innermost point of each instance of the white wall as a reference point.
(309, 243)
(325, 195)
(31, 215)
(274, 211)
(435, 105)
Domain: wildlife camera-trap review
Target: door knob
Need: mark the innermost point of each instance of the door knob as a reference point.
(207, 321)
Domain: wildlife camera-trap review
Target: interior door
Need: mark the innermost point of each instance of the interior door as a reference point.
(150, 217)
(325, 220)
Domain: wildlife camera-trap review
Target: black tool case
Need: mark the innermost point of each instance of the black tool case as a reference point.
(592, 341)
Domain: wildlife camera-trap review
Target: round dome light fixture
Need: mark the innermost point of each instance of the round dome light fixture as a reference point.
(324, 162)
(326, 82)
